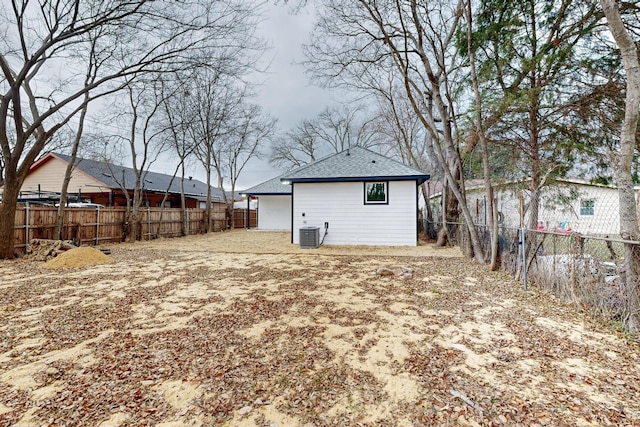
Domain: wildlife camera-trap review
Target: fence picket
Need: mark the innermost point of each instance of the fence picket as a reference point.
(106, 224)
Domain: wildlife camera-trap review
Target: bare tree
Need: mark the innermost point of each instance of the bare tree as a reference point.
(138, 139)
(481, 135)
(298, 147)
(417, 40)
(144, 145)
(252, 129)
(404, 135)
(332, 131)
(214, 99)
(628, 145)
(93, 63)
(175, 114)
(47, 44)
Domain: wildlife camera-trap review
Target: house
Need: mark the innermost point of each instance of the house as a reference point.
(355, 197)
(566, 205)
(274, 204)
(104, 184)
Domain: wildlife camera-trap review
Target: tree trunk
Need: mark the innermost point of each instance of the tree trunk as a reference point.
(451, 212)
(208, 207)
(183, 204)
(8, 208)
(65, 183)
(628, 213)
(133, 217)
(486, 167)
(231, 205)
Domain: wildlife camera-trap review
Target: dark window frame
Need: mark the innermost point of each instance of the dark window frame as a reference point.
(376, 202)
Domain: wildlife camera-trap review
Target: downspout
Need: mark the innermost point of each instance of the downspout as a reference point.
(417, 214)
(292, 199)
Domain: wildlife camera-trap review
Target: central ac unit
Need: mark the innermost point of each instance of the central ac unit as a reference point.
(309, 237)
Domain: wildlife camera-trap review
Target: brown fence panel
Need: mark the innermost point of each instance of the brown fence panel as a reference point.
(240, 218)
(196, 221)
(42, 222)
(111, 225)
(92, 226)
(160, 222)
(87, 225)
(219, 217)
(20, 230)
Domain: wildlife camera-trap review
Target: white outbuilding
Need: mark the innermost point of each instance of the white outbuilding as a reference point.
(355, 197)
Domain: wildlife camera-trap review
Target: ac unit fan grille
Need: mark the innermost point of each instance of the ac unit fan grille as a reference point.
(309, 237)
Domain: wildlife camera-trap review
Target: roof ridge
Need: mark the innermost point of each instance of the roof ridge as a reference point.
(359, 162)
(392, 159)
(328, 156)
(96, 168)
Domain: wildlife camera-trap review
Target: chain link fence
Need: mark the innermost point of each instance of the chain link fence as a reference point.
(570, 231)
(588, 270)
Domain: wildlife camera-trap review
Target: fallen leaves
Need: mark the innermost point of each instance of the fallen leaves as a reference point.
(193, 337)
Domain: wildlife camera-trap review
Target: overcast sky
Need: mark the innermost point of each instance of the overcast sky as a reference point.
(287, 93)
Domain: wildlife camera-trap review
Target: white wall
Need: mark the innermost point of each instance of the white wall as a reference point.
(558, 203)
(51, 174)
(274, 213)
(351, 222)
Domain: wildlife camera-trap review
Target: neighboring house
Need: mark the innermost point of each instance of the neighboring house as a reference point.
(359, 197)
(566, 205)
(274, 204)
(103, 183)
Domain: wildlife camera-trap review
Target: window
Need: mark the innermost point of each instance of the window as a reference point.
(587, 207)
(375, 193)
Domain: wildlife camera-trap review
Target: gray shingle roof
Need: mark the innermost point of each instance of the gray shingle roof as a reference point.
(355, 164)
(153, 181)
(273, 187)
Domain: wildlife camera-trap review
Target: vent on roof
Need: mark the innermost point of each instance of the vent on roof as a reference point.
(373, 161)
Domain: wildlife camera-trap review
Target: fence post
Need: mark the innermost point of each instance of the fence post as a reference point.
(554, 261)
(97, 225)
(149, 223)
(523, 248)
(188, 227)
(26, 227)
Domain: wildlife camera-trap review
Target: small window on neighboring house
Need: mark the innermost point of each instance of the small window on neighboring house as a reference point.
(376, 193)
(587, 207)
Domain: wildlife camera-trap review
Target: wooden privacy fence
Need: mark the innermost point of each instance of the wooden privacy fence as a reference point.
(240, 218)
(96, 225)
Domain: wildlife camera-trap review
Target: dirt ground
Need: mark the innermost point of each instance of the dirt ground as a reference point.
(244, 328)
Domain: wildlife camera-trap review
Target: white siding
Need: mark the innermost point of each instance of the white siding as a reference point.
(274, 213)
(351, 222)
(559, 203)
(51, 174)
